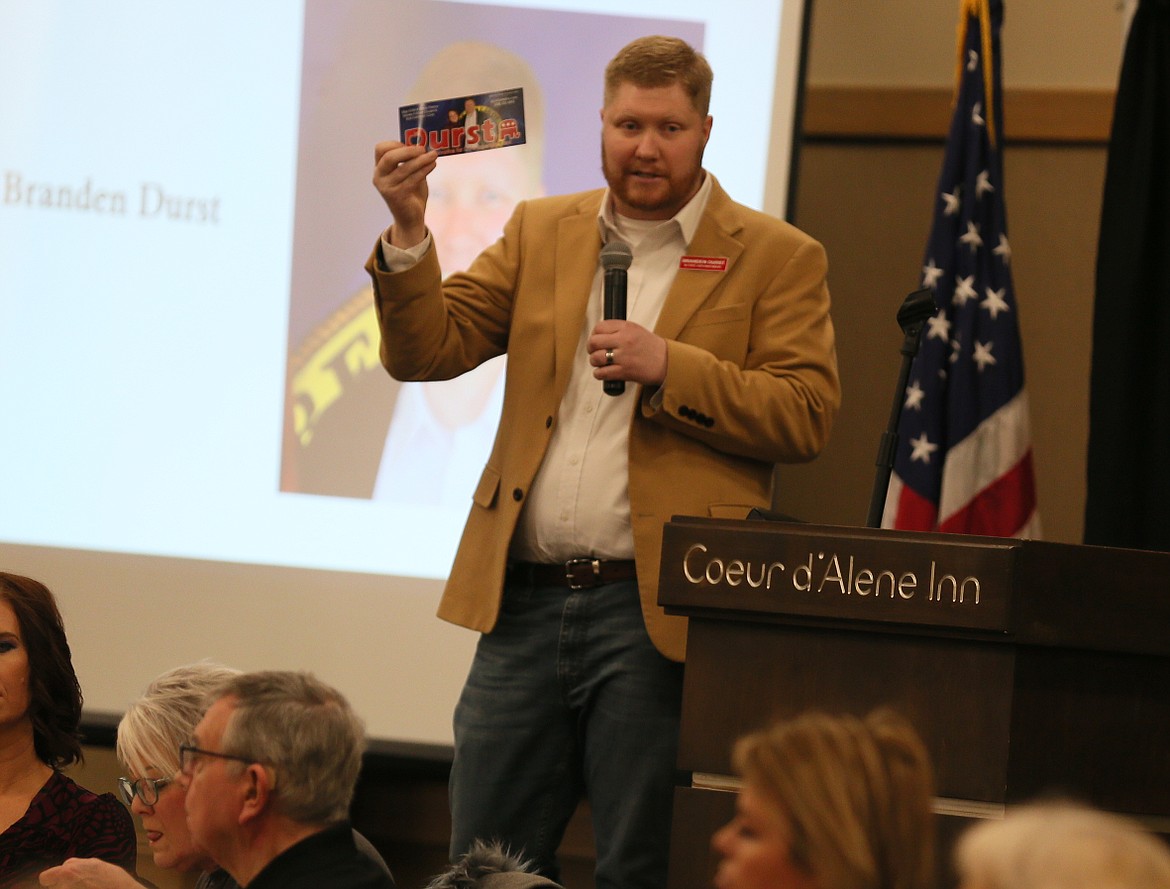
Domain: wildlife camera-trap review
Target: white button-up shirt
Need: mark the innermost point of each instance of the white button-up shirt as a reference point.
(579, 503)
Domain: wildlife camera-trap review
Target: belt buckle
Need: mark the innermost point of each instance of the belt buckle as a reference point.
(583, 581)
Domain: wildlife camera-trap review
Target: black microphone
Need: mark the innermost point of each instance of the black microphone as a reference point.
(616, 257)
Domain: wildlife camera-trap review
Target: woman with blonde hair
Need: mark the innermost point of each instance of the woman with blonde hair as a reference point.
(831, 802)
(149, 736)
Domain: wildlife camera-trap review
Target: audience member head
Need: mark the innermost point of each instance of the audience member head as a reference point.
(48, 682)
(830, 802)
(1061, 846)
(274, 759)
(149, 736)
(304, 730)
(657, 61)
(491, 865)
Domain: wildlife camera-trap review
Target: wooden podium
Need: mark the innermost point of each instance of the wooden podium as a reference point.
(1028, 667)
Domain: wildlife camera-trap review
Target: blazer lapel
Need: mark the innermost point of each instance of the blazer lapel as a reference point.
(715, 236)
(578, 246)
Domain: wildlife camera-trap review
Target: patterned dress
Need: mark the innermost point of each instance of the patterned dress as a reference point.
(65, 820)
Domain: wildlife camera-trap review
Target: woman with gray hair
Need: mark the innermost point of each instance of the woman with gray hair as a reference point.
(149, 736)
(1060, 845)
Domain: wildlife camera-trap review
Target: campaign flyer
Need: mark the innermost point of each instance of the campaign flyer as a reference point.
(465, 123)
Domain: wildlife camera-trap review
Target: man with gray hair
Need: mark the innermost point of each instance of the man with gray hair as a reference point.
(269, 774)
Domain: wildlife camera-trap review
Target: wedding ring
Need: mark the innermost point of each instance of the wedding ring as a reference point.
(608, 357)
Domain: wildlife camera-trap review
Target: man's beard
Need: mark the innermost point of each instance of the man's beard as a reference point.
(674, 198)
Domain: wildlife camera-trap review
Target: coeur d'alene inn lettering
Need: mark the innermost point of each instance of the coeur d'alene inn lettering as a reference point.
(774, 571)
(828, 573)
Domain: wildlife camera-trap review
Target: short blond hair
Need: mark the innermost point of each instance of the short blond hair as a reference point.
(156, 724)
(1061, 845)
(857, 794)
(651, 62)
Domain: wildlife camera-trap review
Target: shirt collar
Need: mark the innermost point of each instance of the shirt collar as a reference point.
(686, 220)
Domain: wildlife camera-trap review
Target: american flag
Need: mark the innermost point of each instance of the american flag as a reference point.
(964, 457)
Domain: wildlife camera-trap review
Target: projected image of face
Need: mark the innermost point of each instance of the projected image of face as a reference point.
(472, 196)
(351, 430)
(441, 431)
(652, 142)
(434, 437)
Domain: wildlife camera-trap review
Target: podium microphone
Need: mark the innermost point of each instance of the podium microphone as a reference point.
(616, 257)
(915, 311)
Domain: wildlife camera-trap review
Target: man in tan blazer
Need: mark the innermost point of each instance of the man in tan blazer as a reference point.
(729, 364)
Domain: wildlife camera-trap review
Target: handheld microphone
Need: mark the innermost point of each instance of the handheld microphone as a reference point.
(616, 257)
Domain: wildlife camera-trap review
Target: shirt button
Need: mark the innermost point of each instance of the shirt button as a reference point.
(517, 494)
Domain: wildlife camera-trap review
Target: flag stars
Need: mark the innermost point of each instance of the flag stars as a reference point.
(930, 274)
(952, 402)
(983, 356)
(965, 290)
(1004, 250)
(995, 303)
(972, 238)
(914, 396)
(921, 448)
(951, 201)
(938, 327)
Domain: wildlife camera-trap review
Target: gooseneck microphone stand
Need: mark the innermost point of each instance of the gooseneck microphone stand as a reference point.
(916, 309)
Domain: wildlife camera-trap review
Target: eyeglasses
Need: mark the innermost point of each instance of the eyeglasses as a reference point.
(146, 789)
(189, 755)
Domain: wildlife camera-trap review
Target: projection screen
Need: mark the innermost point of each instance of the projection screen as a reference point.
(200, 453)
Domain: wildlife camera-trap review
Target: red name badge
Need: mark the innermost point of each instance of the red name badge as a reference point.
(704, 263)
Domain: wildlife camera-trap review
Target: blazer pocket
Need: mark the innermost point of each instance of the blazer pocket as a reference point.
(487, 489)
(721, 330)
(719, 315)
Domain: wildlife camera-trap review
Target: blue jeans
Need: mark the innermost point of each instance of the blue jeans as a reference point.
(568, 696)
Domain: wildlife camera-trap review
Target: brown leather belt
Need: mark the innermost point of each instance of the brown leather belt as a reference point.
(576, 574)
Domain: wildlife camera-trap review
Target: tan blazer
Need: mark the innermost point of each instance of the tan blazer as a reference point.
(751, 375)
